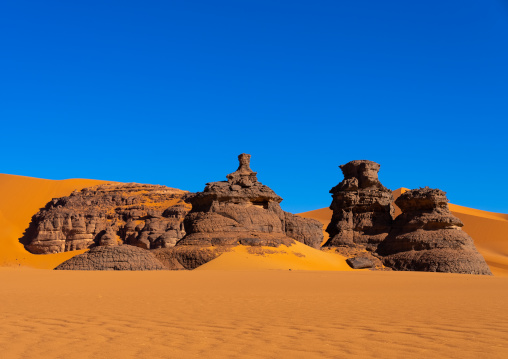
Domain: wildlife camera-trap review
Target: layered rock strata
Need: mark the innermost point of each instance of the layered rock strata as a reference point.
(242, 210)
(362, 208)
(426, 236)
(113, 258)
(147, 216)
(239, 211)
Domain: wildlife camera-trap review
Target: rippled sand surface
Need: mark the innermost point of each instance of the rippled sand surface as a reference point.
(251, 314)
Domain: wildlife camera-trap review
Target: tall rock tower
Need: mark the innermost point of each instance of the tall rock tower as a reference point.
(362, 208)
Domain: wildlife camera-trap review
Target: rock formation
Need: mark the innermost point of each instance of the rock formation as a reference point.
(147, 216)
(426, 236)
(362, 208)
(122, 257)
(242, 210)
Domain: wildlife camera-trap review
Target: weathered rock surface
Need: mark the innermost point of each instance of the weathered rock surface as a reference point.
(426, 236)
(147, 216)
(188, 256)
(360, 262)
(362, 208)
(242, 210)
(239, 211)
(122, 257)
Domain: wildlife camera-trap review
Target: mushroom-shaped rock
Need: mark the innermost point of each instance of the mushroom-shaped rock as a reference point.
(426, 236)
(240, 208)
(239, 211)
(113, 258)
(362, 208)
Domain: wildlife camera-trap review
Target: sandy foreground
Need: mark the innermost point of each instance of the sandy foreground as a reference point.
(243, 304)
(251, 314)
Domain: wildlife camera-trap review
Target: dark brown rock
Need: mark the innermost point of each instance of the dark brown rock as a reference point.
(147, 216)
(188, 256)
(239, 211)
(426, 236)
(243, 210)
(362, 208)
(113, 258)
(306, 230)
(360, 262)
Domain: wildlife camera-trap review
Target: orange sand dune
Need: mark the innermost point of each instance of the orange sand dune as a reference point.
(296, 257)
(21, 197)
(489, 231)
(251, 314)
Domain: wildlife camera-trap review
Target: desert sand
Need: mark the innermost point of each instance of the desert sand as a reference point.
(251, 314)
(244, 304)
(296, 257)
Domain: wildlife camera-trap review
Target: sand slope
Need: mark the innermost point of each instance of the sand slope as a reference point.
(489, 231)
(21, 197)
(296, 257)
(243, 314)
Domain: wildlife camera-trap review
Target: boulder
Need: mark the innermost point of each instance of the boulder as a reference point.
(362, 208)
(360, 262)
(426, 236)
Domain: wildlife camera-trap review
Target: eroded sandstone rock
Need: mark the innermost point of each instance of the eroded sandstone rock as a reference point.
(239, 211)
(362, 208)
(122, 257)
(426, 236)
(243, 209)
(147, 216)
(360, 262)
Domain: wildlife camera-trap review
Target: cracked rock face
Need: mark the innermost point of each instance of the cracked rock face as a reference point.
(113, 258)
(362, 208)
(426, 236)
(147, 216)
(243, 210)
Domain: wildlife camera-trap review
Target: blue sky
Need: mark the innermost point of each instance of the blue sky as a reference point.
(170, 92)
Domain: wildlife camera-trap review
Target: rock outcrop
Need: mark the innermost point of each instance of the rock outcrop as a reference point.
(426, 236)
(123, 257)
(147, 216)
(239, 211)
(242, 210)
(362, 208)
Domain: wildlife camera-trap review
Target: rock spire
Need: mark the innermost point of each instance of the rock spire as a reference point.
(362, 208)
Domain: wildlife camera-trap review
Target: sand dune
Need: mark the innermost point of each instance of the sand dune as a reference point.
(268, 314)
(21, 199)
(296, 257)
(489, 231)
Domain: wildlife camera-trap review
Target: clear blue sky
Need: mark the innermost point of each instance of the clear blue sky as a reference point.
(170, 92)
